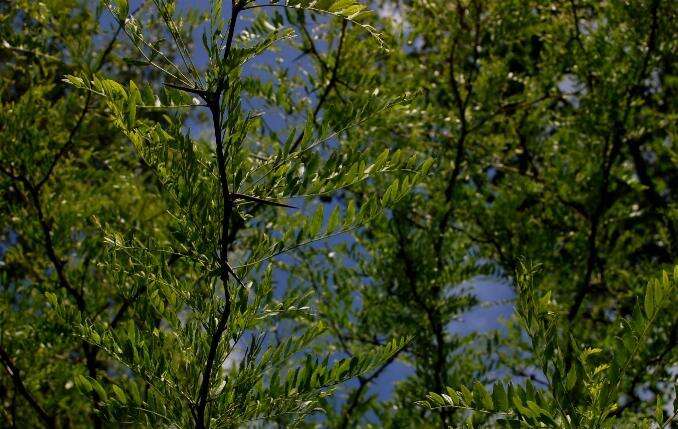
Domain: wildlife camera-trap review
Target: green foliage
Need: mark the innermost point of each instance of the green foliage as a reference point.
(214, 190)
(295, 230)
(549, 124)
(583, 390)
(60, 164)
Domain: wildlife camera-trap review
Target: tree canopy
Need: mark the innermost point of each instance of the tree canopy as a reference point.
(285, 213)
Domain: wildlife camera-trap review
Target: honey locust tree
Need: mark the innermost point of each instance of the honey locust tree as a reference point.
(406, 274)
(199, 350)
(61, 162)
(584, 182)
(551, 127)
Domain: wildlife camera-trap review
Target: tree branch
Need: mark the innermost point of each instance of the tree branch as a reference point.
(13, 372)
(78, 123)
(617, 137)
(330, 85)
(364, 382)
(214, 103)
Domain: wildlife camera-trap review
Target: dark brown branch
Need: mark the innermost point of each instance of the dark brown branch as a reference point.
(433, 317)
(88, 98)
(57, 262)
(125, 306)
(357, 394)
(617, 138)
(523, 373)
(312, 49)
(656, 201)
(237, 196)
(59, 265)
(90, 351)
(196, 91)
(461, 103)
(19, 385)
(214, 103)
(329, 87)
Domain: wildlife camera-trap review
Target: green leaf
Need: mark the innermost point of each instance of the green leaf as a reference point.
(437, 399)
(316, 221)
(335, 220)
(133, 99)
(120, 394)
(99, 389)
(82, 383)
(659, 411)
(650, 299)
(136, 62)
(134, 393)
(482, 397)
(467, 395)
(76, 81)
(571, 379)
(390, 194)
(426, 166)
(499, 397)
